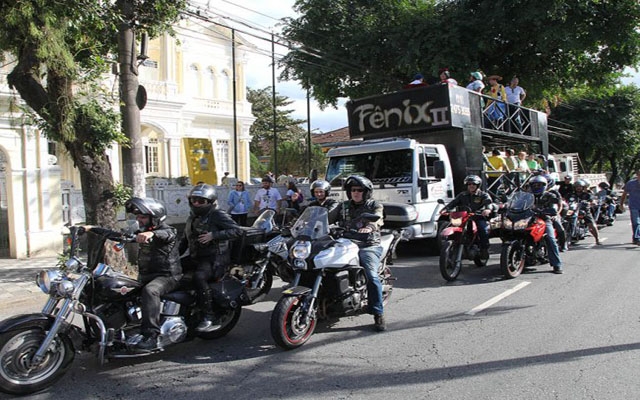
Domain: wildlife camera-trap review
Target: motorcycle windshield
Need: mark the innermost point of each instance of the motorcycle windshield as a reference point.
(265, 221)
(521, 201)
(312, 224)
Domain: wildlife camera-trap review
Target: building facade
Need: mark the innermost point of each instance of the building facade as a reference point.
(187, 129)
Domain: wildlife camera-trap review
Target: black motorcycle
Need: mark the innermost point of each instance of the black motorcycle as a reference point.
(328, 282)
(37, 349)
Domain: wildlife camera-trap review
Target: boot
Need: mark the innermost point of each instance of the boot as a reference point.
(205, 302)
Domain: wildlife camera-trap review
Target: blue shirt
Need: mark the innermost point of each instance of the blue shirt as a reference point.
(633, 193)
(239, 202)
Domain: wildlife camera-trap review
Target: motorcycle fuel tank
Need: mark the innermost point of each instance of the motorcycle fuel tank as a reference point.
(116, 286)
(343, 253)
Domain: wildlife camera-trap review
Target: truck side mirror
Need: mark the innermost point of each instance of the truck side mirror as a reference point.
(438, 169)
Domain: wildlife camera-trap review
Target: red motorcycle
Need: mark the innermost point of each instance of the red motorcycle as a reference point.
(460, 239)
(523, 236)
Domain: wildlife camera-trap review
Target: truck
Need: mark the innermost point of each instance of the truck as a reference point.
(417, 145)
(561, 165)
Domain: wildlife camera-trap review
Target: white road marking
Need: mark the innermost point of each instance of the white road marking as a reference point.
(496, 299)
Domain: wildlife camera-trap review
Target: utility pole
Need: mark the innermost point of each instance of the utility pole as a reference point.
(132, 156)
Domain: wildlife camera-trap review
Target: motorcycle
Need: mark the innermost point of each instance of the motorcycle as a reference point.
(260, 254)
(574, 224)
(523, 236)
(37, 349)
(460, 239)
(606, 210)
(329, 281)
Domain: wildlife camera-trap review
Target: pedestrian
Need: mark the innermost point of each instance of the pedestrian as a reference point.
(632, 191)
(239, 204)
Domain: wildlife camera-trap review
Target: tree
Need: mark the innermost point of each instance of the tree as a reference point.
(356, 48)
(60, 50)
(605, 126)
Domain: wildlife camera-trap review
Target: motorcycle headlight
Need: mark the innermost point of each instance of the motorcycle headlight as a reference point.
(48, 279)
(507, 224)
(455, 221)
(301, 250)
(64, 288)
(299, 263)
(522, 224)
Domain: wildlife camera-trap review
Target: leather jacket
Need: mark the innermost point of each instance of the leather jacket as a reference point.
(349, 216)
(160, 256)
(222, 228)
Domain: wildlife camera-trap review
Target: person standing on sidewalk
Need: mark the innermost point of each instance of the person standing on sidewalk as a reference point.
(632, 190)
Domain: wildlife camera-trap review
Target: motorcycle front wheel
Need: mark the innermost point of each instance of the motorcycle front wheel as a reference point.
(227, 319)
(18, 374)
(450, 260)
(512, 259)
(288, 326)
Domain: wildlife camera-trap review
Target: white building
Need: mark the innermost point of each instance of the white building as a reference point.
(187, 124)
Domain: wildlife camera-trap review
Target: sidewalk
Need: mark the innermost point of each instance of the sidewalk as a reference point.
(18, 288)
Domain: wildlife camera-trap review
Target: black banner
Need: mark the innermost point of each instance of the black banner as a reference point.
(427, 108)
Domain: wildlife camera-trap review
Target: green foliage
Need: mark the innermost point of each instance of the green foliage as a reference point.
(605, 127)
(121, 193)
(257, 169)
(287, 128)
(356, 48)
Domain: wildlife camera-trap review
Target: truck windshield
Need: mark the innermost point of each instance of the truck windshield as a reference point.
(389, 167)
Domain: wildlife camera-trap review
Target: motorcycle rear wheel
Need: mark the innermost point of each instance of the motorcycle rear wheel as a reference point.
(449, 266)
(288, 328)
(227, 319)
(18, 375)
(512, 259)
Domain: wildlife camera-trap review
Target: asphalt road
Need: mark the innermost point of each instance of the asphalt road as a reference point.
(539, 336)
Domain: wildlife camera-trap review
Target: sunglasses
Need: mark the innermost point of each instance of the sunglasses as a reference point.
(198, 200)
(357, 190)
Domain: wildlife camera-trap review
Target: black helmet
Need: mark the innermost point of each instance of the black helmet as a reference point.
(357, 180)
(147, 206)
(320, 184)
(603, 185)
(203, 191)
(475, 179)
(582, 183)
(538, 184)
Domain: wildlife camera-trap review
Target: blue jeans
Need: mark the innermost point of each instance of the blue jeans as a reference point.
(635, 223)
(483, 231)
(370, 261)
(552, 245)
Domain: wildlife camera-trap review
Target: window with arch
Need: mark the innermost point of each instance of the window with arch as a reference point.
(192, 83)
(210, 83)
(225, 85)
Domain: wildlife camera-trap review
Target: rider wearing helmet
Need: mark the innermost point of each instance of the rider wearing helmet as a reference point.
(206, 235)
(606, 196)
(478, 202)
(359, 190)
(548, 203)
(159, 269)
(584, 194)
(565, 188)
(320, 191)
(557, 219)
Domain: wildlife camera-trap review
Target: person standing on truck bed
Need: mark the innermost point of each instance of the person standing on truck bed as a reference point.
(499, 167)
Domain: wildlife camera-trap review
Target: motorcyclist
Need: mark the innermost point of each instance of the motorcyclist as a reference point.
(478, 202)
(320, 191)
(359, 191)
(547, 203)
(584, 194)
(557, 219)
(606, 196)
(565, 188)
(206, 235)
(159, 268)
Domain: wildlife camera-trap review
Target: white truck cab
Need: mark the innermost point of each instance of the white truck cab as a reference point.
(408, 178)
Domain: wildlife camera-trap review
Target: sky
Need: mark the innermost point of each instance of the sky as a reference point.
(264, 14)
